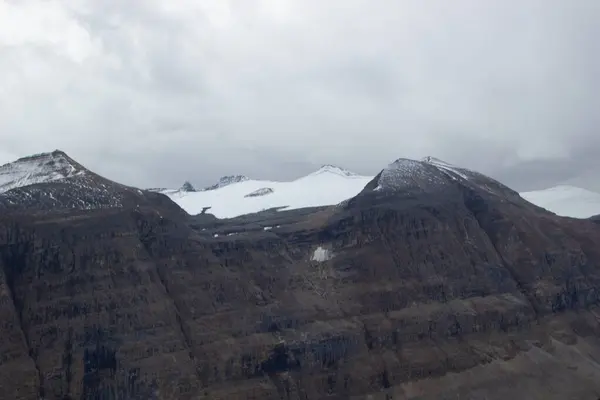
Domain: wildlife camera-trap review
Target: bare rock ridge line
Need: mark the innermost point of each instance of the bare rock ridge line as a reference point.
(433, 282)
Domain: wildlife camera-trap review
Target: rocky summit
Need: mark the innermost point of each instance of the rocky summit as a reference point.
(434, 282)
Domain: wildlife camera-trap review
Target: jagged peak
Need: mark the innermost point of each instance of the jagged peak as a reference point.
(187, 187)
(333, 169)
(227, 180)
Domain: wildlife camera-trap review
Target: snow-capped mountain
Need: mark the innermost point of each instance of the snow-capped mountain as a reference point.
(332, 185)
(566, 201)
(230, 198)
(38, 168)
(54, 181)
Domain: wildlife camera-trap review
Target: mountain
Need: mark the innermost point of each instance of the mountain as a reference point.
(54, 181)
(226, 181)
(568, 201)
(240, 195)
(332, 185)
(429, 282)
(39, 168)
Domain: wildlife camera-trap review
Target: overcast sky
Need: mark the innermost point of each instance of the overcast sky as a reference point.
(154, 92)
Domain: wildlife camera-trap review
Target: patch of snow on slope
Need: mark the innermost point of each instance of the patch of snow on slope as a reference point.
(324, 188)
(40, 168)
(321, 255)
(445, 167)
(566, 201)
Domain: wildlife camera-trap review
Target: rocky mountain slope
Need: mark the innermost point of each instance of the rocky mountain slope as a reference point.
(433, 282)
(54, 181)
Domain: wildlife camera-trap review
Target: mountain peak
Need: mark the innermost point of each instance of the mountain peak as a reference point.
(435, 161)
(431, 174)
(38, 168)
(187, 187)
(227, 180)
(333, 169)
(405, 172)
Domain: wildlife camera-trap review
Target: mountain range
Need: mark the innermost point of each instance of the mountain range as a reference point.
(426, 281)
(239, 195)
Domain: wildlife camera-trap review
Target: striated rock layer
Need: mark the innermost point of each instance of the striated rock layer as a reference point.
(433, 283)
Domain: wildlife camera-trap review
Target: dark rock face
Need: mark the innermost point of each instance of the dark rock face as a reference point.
(260, 192)
(459, 290)
(188, 187)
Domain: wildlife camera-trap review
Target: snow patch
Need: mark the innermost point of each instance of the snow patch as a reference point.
(321, 255)
(445, 167)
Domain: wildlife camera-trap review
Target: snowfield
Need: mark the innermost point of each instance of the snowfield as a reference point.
(567, 201)
(327, 186)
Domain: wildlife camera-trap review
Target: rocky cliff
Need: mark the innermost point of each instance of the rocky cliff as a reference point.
(432, 283)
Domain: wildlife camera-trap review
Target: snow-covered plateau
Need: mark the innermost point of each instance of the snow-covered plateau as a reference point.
(327, 186)
(567, 201)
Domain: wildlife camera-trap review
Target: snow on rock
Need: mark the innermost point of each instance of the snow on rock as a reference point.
(260, 192)
(332, 169)
(226, 181)
(39, 168)
(321, 255)
(327, 186)
(566, 201)
(404, 173)
(187, 187)
(451, 170)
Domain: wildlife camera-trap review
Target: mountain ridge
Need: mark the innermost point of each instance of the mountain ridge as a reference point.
(64, 172)
(444, 287)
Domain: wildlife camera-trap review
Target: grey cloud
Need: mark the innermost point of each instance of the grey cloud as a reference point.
(153, 93)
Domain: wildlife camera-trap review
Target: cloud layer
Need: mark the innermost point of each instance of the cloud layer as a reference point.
(153, 92)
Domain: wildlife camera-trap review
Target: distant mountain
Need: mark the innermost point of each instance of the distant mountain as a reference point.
(55, 181)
